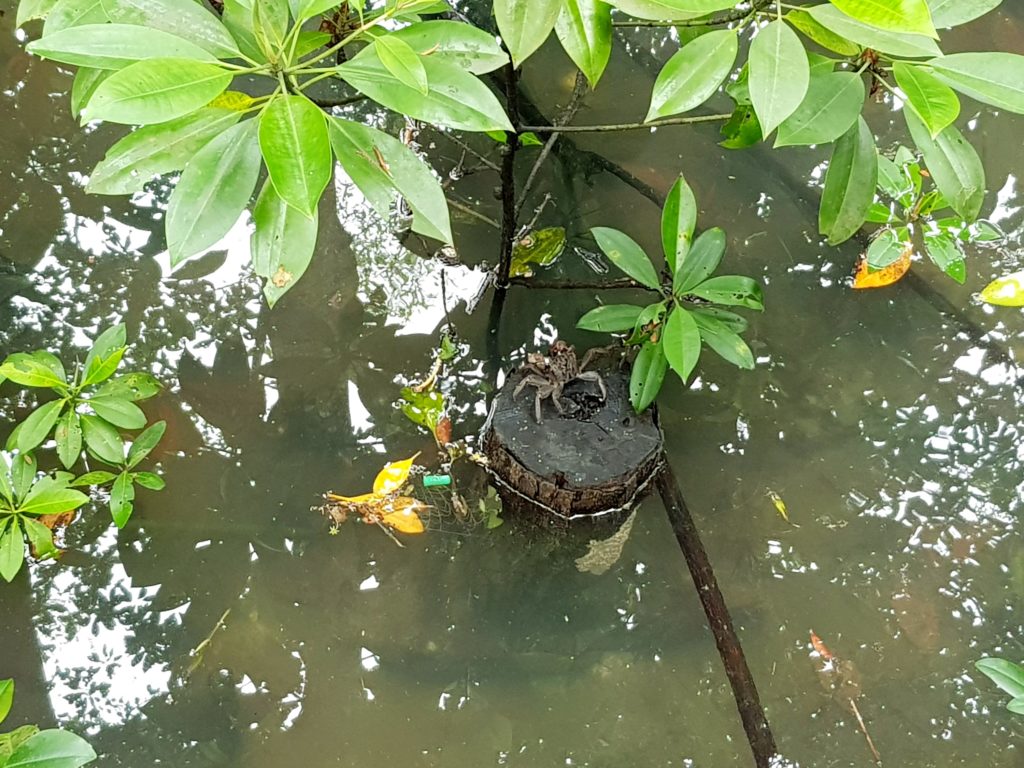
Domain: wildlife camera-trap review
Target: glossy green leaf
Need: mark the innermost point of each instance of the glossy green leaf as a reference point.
(282, 243)
(118, 411)
(991, 77)
(779, 74)
(86, 81)
(49, 497)
(731, 321)
(879, 214)
(102, 362)
(649, 318)
(102, 440)
(154, 150)
(896, 15)
(12, 553)
(114, 46)
(463, 45)
(155, 91)
(680, 341)
(832, 104)
(144, 444)
(849, 184)
(22, 368)
(237, 18)
(40, 538)
(1016, 706)
(584, 28)
(1005, 674)
(693, 74)
(357, 146)
(672, 10)
(6, 491)
(702, 260)
(823, 36)
(295, 147)
(945, 253)
(184, 18)
(149, 480)
(724, 340)
(68, 435)
(403, 62)
(52, 749)
(456, 99)
(70, 13)
(525, 24)
(742, 129)
(423, 408)
(122, 494)
(885, 249)
(309, 41)
(23, 473)
(951, 13)
(133, 386)
(37, 426)
(954, 165)
(627, 255)
(6, 698)
(933, 101)
(98, 477)
(610, 318)
(678, 220)
(307, 9)
(647, 376)
(213, 190)
(891, 179)
(732, 290)
(28, 10)
(270, 25)
(1005, 291)
(894, 43)
(106, 345)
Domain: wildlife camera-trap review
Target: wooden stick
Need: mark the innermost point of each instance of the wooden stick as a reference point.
(864, 730)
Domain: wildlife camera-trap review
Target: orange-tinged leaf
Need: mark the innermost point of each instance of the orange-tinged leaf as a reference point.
(402, 515)
(820, 647)
(393, 476)
(443, 431)
(882, 277)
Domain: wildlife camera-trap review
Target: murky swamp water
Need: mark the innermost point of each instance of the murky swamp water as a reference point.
(892, 434)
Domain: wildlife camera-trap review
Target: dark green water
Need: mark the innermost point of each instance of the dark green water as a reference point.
(892, 434)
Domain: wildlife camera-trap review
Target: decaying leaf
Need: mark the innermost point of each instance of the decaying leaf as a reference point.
(780, 505)
(885, 276)
(281, 278)
(1005, 291)
(602, 555)
(443, 431)
(393, 476)
(384, 506)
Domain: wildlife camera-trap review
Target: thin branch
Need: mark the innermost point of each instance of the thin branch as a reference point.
(341, 101)
(508, 180)
(459, 142)
(607, 127)
(589, 285)
(470, 211)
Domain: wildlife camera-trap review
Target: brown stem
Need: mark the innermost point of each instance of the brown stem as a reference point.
(607, 127)
(595, 285)
(508, 180)
(759, 734)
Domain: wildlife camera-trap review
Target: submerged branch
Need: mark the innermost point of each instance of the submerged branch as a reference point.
(626, 126)
(596, 285)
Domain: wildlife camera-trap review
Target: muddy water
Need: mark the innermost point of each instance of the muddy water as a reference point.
(891, 430)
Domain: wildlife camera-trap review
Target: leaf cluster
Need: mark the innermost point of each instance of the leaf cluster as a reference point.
(671, 332)
(29, 746)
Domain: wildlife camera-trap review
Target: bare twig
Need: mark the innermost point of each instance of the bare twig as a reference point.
(587, 285)
(460, 143)
(470, 211)
(864, 730)
(607, 127)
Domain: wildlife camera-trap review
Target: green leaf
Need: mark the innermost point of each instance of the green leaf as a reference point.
(651, 315)
(270, 25)
(678, 220)
(102, 440)
(28, 10)
(357, 145)
(954, 165)
(122, 494)
(6, 491)
(12, 553)
(463, 45)
(93, 478)
(951, 13)
(879, 214)
(986, 232)
(71, 13)
(144, 444)
(525, 24)
(884, 249)
(1005, 674)
(779, 74)
(849, 184)
(724, 340)
(610, 318)
(584, 28)
(149, 480)
(1005, 291)
(40, 538)
(29, 371)
(647, 376)
(69, 438)
(282, 243)
(944, 251)
(402, 61)
(627, 255)
(681, 342)
(742, 130)
(118, 411)
(672, 10)
(831, 106)
(52, 749)
(23, 473)
(896, 15)
(823, 36)
(114, 46)
(213, 191)
(6, 698)
(309, 41)
(891, 179)
(155, 91)
(693, 74)
(732, 290)
(1016, 706)
(87, 80)
(237, 18)
(456, 99)
(154, 150)
(731, 321)
(38, 425)
(100, 366)
(293, 140)
(307, 9)
(991, 77)
(423, 408)
(132, 386)
(189, 20)
(702, 260)
(106, 345)
(933, 101)
(895, 43)
(48, 498)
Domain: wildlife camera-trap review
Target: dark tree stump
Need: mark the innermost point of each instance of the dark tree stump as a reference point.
(596, 460)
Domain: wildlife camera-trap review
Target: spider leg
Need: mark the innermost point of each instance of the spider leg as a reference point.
(529, 381)
(588, 358)
(556, 390)
(595, 377)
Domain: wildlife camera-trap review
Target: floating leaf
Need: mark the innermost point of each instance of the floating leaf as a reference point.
(393, 476)
(1005, 291)
(882, 277)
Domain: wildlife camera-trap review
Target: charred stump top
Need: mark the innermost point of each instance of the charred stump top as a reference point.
(596, 459)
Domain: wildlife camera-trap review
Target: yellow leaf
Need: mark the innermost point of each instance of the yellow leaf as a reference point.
(885, 276)
(780, 505)
(393, 476)
(1005, 291)
(403, 517)
(232, 100)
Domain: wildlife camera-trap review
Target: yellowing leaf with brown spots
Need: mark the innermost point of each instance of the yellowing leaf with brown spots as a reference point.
(882, 277)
